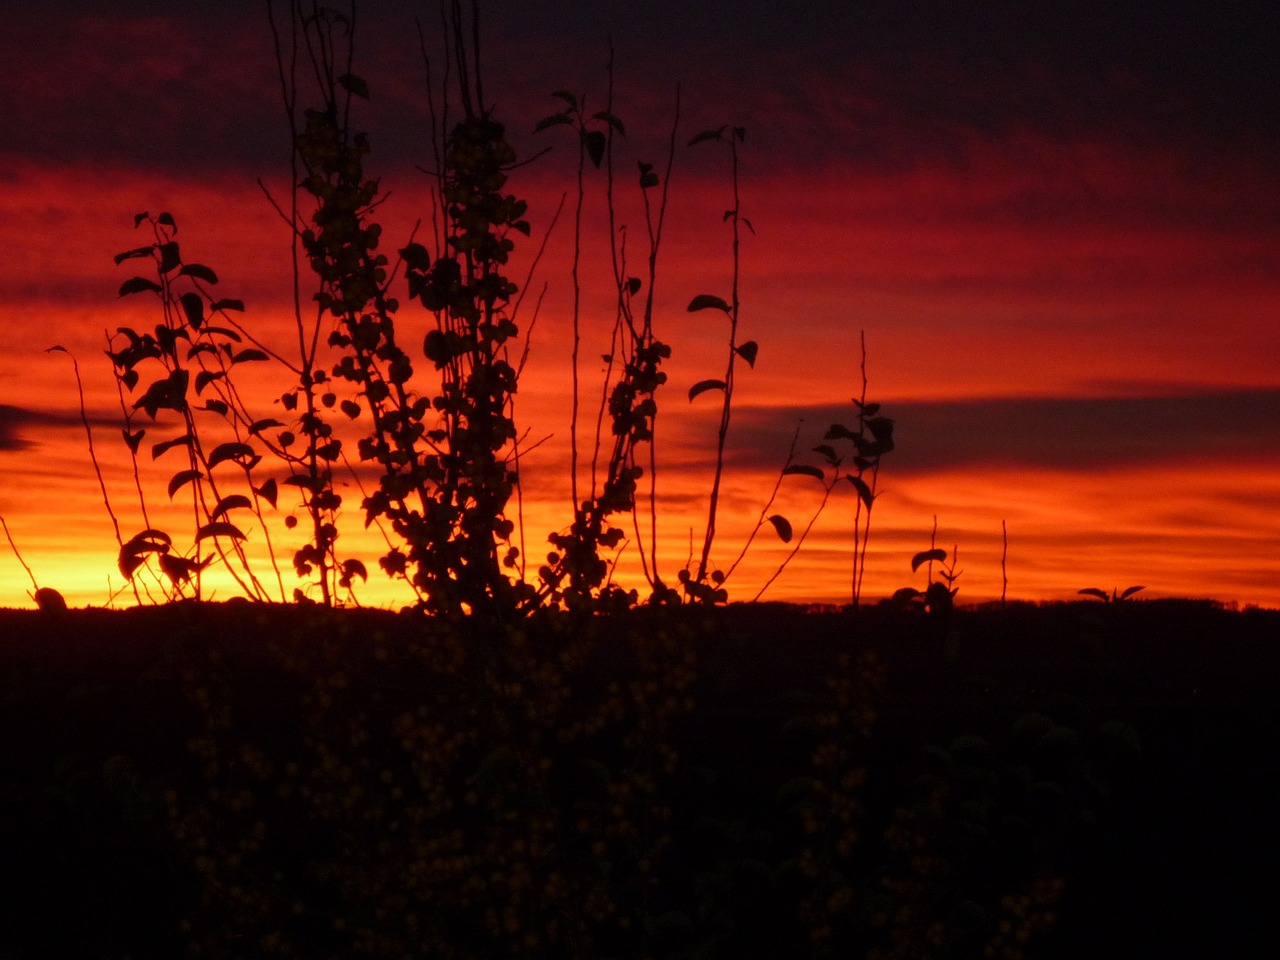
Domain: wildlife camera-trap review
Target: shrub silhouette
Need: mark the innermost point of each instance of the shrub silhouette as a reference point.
(436, 425)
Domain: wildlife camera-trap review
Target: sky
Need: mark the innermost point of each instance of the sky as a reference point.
(1056, 226)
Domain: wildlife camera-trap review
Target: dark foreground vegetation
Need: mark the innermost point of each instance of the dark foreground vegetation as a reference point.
(1082, 780)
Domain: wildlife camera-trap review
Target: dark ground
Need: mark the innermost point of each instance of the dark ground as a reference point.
(1102, 775)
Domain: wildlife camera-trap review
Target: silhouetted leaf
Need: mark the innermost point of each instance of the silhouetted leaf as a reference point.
(179, 569)
(927, 556)
(245, 356)
(166, 220)
(199, 271)
(133, 440)
(747, 223)
(864, 491)
(133, 254)
(905, 596)
(267, 492)
(205, 377)
(193, 307)
(804, 470)
(237, 501)
(259, 425)
(181, 479)
(647, 177)
(169, 256)
(611, 119)
(555, 120)
(828, 453)
(882, 429)
(838, 431)
(707, 301)
(137, 285)
(594, 142)
(355, 85)
(216, 406)
(1095, 592)
(633, 285)
(240, 453)
(1129, 592)
(567, 97)
(747, 351)
(133, 553)
(237, 305)
(138, 218)
(220, 529)
(706, 135)
(351, 569)
(223, 331)
(165, 446)
(783, 526)
(350, 408)
(702, 386)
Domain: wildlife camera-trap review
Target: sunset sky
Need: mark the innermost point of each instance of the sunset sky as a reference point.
(1058, 226)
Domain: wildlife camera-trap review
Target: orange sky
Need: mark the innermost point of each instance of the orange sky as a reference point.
(1064, 258)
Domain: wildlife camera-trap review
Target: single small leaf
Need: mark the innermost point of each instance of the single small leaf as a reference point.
(138, 218)
(219, 529)
(259, 425)
(198, 271)
(193, 307)
(167, 445)
(783, 526)
(706, 135)
(205, 377)
(611, 119)
(137, 285)
(241, 453)
(555, 120)
(355, 85)
(706, 301)
(633, 285)
(828, 453)
(237, 305)
(181, 479)
(1094, 592)
(350, 408)
(166, 220)
(747, 351)
(237, 501)
(1129, 592)
(247, 355)
(133, 254)
(864, 491)
(169, 256)
(702, 386)
(804, 470)
(906, 595)
(216, 406)
(133, 440)
(267, 492)
(927, 556)
(594, 142)
(567, 97)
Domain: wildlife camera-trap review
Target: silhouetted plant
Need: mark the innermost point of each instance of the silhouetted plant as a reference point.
(1112, 597)
(939, 595)
(441, 438)
(191, 352)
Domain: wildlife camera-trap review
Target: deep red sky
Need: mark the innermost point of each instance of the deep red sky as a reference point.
(1059, 231)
